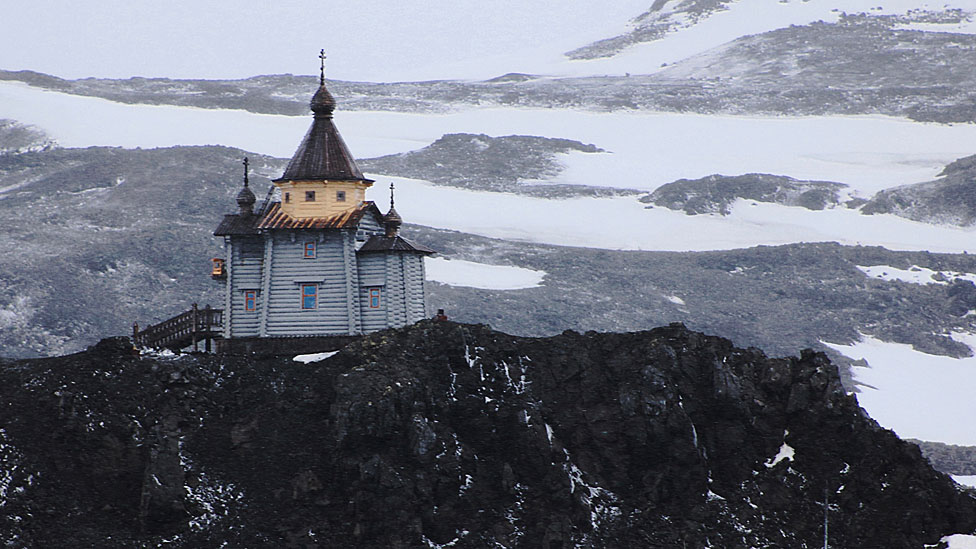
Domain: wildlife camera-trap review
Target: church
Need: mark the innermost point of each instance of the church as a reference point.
(321, 261)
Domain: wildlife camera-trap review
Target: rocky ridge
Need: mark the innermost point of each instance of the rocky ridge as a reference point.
(445, 434)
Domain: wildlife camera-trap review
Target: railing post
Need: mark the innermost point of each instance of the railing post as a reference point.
(209, 321)
(193, 318)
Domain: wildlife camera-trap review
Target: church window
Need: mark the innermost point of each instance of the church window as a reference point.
(250, 300)
(340, 196)
(309, 251)
(309, 196)
(310, 296)
(374, 298)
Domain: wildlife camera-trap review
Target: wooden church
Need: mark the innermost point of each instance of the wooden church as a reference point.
(322, 261)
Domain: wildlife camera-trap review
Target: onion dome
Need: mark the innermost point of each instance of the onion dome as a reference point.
(392, 222)
(322, 104)
(246, 200)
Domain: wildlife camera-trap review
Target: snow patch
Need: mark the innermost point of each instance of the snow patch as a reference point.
(965, 480)
(314, 357)
(785, 452)
(914, 274)
(915, 394)
(458, 272)
(960, 541)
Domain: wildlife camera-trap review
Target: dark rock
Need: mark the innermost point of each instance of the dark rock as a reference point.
(445, 433)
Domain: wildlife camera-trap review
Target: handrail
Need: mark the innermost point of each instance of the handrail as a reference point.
(184, 329)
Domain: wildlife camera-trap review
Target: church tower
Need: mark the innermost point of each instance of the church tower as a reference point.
(321, 262)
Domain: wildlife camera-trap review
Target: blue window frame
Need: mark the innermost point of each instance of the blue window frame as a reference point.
(250, 300)
(310, 296)
(309, 250)
(374, 298)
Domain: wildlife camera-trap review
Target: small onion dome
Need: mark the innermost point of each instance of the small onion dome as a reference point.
(392, 222)
(246, 200)
(322, 103)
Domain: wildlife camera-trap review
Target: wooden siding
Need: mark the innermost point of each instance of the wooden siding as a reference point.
(415, 298)
(369, 225)
(290, 269)
(246, 266)
(372, 274)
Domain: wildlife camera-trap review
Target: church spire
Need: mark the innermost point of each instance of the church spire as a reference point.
(323, 154)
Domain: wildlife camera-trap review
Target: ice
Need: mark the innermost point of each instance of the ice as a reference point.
(457, 272)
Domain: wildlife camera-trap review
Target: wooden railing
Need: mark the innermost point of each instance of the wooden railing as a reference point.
(182, 330)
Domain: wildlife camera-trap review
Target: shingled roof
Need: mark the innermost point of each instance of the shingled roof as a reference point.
(392, 244)
(323, 154)
(274, 218)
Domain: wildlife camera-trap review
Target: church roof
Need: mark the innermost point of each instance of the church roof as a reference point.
(323, 154)
(392, 244)
(237, 225)
(274, 218)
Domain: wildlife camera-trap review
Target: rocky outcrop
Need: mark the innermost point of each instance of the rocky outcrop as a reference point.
(948, 200)
(445, 434)
(717, 193)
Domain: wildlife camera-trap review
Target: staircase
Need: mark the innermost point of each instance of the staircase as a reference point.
(182, 330)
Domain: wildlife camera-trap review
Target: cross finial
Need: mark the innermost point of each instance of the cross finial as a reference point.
(322, 67)
(391, 196)
(245, 171)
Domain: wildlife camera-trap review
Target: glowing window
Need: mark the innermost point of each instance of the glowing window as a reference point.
(310, 296)
(309, 252)
(374, 298)
(250, 300)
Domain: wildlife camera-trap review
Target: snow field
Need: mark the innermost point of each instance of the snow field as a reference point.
(625, 224)
(457, 272)
(917, 395)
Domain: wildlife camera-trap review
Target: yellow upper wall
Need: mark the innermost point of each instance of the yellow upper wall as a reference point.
(327, 198)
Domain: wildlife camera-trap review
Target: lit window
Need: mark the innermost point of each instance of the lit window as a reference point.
(250, 300)
(309, 252)
(374, 298)
(340, 196)
(309, 196)
(287, 198)
(310, 296)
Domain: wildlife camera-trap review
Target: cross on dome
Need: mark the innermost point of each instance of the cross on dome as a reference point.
(322, 67)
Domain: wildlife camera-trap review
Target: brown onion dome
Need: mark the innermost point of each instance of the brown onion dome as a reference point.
(322, 104)
(392, 222)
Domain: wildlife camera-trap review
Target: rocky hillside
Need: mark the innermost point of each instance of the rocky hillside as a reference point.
(717, 193)
(512, 163)
(862, 64)
(950, 199)
(445, 434)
